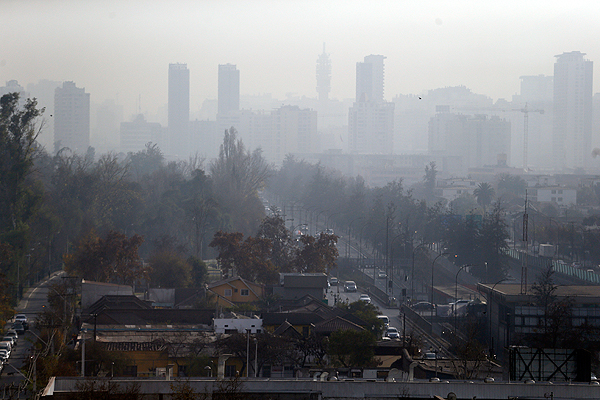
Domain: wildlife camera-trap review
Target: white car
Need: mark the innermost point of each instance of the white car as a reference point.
(392, 333)
(381, 274)
(365, 298)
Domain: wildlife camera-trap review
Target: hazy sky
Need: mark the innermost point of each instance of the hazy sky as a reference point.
(123, 48)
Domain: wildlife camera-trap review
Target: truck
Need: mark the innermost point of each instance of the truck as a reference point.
(546, 250)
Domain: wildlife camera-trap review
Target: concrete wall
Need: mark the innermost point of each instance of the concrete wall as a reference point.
(341, 390)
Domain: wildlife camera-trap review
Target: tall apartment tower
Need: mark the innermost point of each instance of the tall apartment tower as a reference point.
(71, 118)
(370, 119)
(179, 109)
(229, 89)
(369, 79)
(323, 75)
(572, 129)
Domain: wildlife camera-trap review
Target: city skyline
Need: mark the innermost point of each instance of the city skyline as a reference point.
(121, 51)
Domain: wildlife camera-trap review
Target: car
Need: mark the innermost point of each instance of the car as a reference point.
(365, 298)
(333, 281)
(19, 328)
(430, 355)
(381, 274)
(423, 306)
(328, 231)
(22, 318)
(11, 339)
(4, 354)
(12, 332)
(350, 286)
(385, 320)
(392, 333)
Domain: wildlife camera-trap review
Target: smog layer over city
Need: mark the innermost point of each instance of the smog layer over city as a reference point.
(237, 199)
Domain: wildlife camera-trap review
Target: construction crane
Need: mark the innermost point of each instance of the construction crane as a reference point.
(525, 110)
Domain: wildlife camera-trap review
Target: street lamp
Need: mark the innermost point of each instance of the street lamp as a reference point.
(456, 295)
(255, 340)
(360, 236)
(349, 233)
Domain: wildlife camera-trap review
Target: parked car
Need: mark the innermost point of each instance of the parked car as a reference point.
(350, 286)
(423, 306)
(11, 339)
(365, 298)
(19, 328)
(22, 318)
(12, 332)
(4, 354)
(392, 333)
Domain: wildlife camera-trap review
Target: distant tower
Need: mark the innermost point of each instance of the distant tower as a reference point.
(179, 108)
(369, 78)
(323, 75)
(229, 89)
(71, 118)
(572, 131)
(370, 119)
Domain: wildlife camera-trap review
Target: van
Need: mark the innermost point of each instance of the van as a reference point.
(385, 320)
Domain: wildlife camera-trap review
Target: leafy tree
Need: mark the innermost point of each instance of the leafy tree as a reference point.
(511, 186)
(170, 270)
(316, 254)
(429, 181)
(348, 348)
(368, 313)
(273, 228)
(238, 175)
(463, 205)
(112, 258)
(493, 246)
(484, 193)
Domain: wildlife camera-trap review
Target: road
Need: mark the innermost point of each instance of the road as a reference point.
(31, 305)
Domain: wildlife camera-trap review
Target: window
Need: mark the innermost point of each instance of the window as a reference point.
(230, 371)
(244, 292)
(227, 293)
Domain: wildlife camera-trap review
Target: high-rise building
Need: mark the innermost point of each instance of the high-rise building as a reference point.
(369, 78)
(323, 75)
(179, 109)
(71, 118)
(370, 119)
(572, 128)
(229, 89)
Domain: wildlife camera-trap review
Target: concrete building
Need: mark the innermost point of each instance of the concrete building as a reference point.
(139, 132)
(106, 134)
(179, 110)
(464, 141)
(369, 78)
(229, 89)
(370, 119)
(71, 118)
(294, 131)
(371, 127)
(572, 131)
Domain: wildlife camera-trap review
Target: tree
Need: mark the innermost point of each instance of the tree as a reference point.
(273, 228)
(429, 181)
(316, 254)
(350, 348)
(484, 193)
(511, 186)
(366, 312)
(238, 175)
(112, 258)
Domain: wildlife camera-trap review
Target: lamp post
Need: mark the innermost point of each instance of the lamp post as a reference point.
(412, 273)
(456, 296)
(255, 357)
(317, 220)
(360, 241)
(432, 269)
(348, 246)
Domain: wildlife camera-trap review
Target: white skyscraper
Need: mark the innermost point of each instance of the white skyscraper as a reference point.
(71, 118)
(572, 129)
(370, 119)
